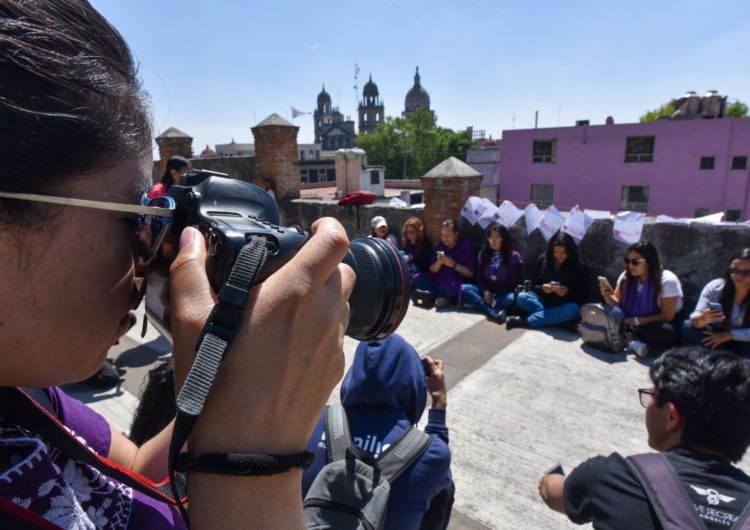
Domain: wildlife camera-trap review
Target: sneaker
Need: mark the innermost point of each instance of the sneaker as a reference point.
(442, 301)
(496, 315)
(108, 376)
(638, 347)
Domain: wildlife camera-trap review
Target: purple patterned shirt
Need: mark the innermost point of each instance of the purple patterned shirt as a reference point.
(70, 494)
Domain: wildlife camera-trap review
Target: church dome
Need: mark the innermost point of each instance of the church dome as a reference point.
(371, 89)
(324, 97)
(417, 97)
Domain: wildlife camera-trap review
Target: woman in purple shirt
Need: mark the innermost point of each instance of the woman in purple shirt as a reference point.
(76, 239)
(498, 273)
(452, 263)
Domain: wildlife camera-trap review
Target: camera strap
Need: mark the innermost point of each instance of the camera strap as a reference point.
(215, 340)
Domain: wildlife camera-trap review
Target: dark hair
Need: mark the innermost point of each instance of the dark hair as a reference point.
(560, 239)
(416, 224)
(177, 163)
(450, 223)
(727, 293)
(649, 253)
(71, 103)
(711, 389)
(506, 248)
(157, 406)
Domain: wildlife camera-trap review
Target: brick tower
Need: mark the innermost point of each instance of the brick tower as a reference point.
(173, 142)
(276, 156)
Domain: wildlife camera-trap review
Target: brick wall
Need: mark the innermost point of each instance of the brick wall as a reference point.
(444, 197)
(169, 147)
(276, 157)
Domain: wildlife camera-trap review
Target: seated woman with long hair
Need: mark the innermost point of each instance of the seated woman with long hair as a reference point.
(416, 247)
(722, 317)
(649, 297)
(498, 273)
(559, 290)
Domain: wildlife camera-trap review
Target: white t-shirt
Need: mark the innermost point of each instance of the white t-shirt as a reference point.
(670, 287)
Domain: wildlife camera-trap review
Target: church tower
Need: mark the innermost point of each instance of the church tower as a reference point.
(416, 98)
(371, 108)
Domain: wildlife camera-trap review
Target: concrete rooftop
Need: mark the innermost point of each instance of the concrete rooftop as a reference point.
(518, 402)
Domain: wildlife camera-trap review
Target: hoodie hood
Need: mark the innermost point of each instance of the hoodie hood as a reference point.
(386, 373)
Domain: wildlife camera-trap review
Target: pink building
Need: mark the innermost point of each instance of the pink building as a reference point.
(681, 168)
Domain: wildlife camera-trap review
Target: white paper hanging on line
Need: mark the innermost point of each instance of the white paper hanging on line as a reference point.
(471, 211)
(575, 224)
(665, 219)
(533, 218)
(628, 227)
(551, 222)
(592, 215)
(488, 213)
(713, 219)
(507, 214)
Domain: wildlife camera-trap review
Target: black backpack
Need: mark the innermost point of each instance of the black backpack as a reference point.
(351, 491)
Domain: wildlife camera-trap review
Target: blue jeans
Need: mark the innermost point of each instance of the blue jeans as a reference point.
(540, 316)
(693, 335)
(421, 283)
(471, 294)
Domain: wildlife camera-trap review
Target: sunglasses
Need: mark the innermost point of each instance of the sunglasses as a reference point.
(634, 261)
(153, 219)
(740, 272)
(646, 396)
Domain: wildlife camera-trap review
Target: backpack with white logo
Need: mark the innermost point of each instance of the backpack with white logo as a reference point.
(668, 497)
(351, 491)
(600, 327)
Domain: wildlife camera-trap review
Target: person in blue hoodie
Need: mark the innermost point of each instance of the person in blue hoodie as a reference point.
(385, 393)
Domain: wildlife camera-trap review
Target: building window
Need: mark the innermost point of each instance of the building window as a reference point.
(312, 176)
(639, 149)
(739, 162)
(331, 175)
(301, 155)
(544, 151)
(707, 162)
(374, 177)
(542, 194)
(700, 212)
(303, 176)
(634, 198)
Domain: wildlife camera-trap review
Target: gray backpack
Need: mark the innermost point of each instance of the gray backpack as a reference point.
(600, 327)
(351, 491)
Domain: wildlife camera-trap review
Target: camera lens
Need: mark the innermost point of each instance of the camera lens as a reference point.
(380, 297)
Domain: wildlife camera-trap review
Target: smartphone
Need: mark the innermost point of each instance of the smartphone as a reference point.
(557, 469)
(716, 306)
(555, 284)
(427, 365)
(603, 280)
(441, 253)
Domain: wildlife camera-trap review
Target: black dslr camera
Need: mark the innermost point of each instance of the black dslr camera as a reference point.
(229, 211)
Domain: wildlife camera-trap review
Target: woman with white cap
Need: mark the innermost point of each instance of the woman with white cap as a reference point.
(380, 229)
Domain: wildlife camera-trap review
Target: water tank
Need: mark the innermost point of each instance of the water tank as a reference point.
(692, 105)
(712, 105)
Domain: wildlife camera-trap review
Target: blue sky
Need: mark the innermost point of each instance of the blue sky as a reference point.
(216, 68)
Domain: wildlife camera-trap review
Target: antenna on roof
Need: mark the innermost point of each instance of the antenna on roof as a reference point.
(356, 85)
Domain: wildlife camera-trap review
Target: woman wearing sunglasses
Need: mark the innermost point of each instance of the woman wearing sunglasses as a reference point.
(649, 297)
(722, 317)
(75, 241)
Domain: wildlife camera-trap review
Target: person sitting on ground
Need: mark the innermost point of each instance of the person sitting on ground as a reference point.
(498, 274)
(157, 406)
(452, 263)
(698, 418)
(709, 325)
(176, 167)
(380, 229)
(384, 394)
(649, 297)
(416, 247)
(559, 289)
(76, 144)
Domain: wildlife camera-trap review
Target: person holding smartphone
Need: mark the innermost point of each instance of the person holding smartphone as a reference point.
(649, 297)
(721, 318)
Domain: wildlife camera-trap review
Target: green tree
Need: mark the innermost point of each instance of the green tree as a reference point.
(665, 111)
(736, 109)
(410, 147)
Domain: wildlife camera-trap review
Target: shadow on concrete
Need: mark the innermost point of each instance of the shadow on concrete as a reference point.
(139, 355)
(560, 333)
(89, 394)
(604, 356)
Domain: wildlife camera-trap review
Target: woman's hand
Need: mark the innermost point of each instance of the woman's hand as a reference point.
(287, 354)
(560, 290)
(487, 296)
(711, 316)
(547, 288)
(436, 383)
(714, 338)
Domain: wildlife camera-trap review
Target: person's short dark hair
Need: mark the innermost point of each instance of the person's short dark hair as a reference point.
(71, 102)
(158, 405)
(711, 389)
(175, 162)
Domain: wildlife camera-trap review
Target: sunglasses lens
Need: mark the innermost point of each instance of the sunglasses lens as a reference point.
(151, 231)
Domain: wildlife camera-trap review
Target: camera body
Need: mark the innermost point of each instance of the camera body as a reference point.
(229, 212)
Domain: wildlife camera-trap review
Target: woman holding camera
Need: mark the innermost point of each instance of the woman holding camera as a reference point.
(559, 290)
(649, 297)
(71, 274)
(498, 273)
(721, 318)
